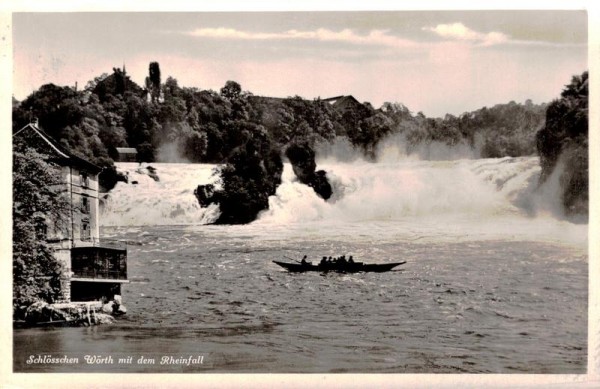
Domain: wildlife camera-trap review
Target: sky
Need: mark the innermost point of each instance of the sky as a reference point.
(436, 62)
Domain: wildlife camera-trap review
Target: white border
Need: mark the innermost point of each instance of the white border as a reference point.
(8, 379)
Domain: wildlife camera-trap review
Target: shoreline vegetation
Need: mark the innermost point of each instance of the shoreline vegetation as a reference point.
(248, 136)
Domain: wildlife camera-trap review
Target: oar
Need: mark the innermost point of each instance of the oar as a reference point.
(292, 259)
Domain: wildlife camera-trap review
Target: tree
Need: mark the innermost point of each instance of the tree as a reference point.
(145, 153)
(565, 137)
(232, 90)
(56, 107)
(154, 78)
(116, 84)
(38, 206)
(252, 174)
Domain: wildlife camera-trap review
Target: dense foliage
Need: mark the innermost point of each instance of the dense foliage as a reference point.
(564, 138)
(251, 175)
(38, 205)
(207, 126)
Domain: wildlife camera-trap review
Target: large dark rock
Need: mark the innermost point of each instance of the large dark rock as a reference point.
(205, 194)
(109, 176)
(321, 185)
(251, 174)
(152, 173)
(302, 158)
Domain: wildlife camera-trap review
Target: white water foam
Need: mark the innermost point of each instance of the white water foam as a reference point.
(144, 201)
(392, 191)
(398, 199)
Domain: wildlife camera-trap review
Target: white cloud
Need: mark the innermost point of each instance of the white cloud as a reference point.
(458, 31)
(374, 37)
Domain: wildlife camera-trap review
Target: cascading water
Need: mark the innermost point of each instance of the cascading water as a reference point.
(170, 200)
(481, 196)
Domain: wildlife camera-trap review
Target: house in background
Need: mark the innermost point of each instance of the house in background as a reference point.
(126, 154)
(94, 268)
(343, 103)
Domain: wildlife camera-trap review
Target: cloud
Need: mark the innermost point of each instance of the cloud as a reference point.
(458, 31)
(374, 37)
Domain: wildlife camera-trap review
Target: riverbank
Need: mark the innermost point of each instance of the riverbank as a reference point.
(69, 314)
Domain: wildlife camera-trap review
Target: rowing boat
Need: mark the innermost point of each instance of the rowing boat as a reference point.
(348, 267)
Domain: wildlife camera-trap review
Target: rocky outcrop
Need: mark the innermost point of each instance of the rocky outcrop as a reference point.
(302, 158)
(109, 176)
(150, 171)
(251, 175)
(73, 314)
(114, 307)
(205, 194)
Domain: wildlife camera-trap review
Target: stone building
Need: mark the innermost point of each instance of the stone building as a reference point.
(93, 268)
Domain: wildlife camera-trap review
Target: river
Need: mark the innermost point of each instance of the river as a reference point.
(496, 280)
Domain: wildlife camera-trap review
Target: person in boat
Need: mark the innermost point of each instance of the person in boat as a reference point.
(330, 260)
(324, 261)
(350, 260)
(303, 261)
(342, 260)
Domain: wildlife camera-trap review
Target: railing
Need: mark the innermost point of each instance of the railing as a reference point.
(101, 274)
(105, 243)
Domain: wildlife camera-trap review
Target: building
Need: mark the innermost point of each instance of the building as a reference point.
(94, 268)
(343, 103)
(126, 154)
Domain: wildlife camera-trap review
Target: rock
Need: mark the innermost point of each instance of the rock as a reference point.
(72, 314)
(108, 307)
(37, 312)
(205, 194)
(302, 158)
(321, 185)
(103, 318)
(150, 171)
(252, 174)
(109, 176)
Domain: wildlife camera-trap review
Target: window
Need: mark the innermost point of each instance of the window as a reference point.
(41, 229)
(85, 182)
(85, 230)
(85, 205)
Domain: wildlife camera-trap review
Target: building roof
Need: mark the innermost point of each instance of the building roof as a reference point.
(126, 150)
(58, 153)
(332, 99)
(343, 102)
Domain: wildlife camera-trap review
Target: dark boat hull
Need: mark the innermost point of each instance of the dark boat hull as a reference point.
(346, 268)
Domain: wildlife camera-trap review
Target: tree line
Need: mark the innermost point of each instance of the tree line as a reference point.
(207, 126)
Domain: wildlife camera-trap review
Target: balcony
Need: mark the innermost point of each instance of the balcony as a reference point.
(99, 263)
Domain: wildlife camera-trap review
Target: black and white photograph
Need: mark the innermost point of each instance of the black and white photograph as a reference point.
(326, 192)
